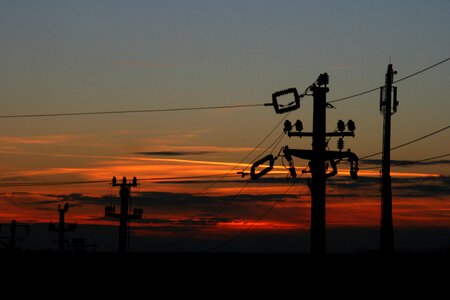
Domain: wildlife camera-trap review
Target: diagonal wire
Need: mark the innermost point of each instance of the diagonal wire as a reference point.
(240, 234)
(398, 80)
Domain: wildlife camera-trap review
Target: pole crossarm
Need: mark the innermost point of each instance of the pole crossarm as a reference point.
(310, 134)
(332, 156)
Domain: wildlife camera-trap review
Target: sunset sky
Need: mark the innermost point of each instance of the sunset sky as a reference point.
(87, 56)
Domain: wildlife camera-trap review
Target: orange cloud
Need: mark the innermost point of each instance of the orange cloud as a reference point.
(37, 140)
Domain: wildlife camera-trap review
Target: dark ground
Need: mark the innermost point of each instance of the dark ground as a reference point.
(199, 275)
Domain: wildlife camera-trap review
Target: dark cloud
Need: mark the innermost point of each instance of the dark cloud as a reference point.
(174, 153)
(238, 179)
(74, 199)
(401, 186)
(159, 199)
(45, 208)
(161, 224)
(422, 187)
(14, 178)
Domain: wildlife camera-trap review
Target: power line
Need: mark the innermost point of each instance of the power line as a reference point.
(218, 214)
(241, 233)
(410, 142)
(410, 162)
(401, 79)
(222, 176)
(239, 163)
(52, 183)
(421, 71)
(198, 107)
(419, 161)
(355, 95)
(111, 112)
(228, 204)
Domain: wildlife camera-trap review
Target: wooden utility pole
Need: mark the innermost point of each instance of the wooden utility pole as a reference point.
(318, 155)
(124, 216)
(387, 108)
(62, 228)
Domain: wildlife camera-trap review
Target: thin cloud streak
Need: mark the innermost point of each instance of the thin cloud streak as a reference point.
(37, 140)
(173, 153)
(137, 63)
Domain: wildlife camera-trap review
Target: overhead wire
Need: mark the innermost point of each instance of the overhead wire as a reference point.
(398, 80)
(177, 109)
(264, 215)
(208, 108)
(228, 204)
(76, 182)
(409, 143)
(409, 162)
(420, 161)
(111, 112)
(218, 214)
(236, 165)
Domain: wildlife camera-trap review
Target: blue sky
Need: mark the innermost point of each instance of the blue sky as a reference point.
(96, 55)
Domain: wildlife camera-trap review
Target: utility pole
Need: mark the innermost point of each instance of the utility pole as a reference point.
(318, 212)
(318, 156)
(11, 245)
(124, 216)
(62, 228)
(387, 108)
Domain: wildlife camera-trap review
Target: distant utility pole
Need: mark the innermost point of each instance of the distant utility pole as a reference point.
(61, 228)
(124, 216)
(387, 108)
(318, 156)
(11, 245)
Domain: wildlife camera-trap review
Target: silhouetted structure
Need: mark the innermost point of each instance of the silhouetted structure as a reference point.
(79, 245)
(387, 108)
(11, 244)
(124, 216)
(61, 228)
(318, 156)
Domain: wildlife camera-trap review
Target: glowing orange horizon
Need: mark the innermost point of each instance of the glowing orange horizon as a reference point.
(291, 214)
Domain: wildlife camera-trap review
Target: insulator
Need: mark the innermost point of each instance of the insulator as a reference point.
(134, 181)
(279, 108)
(395, 99)
(292, 172)
(124, 180)
(341, 125)
(323, 79)
(287, 154)
(351, 125)
(287, 126)
(114, 180)
(298, 125)
(340, 144)
(268, 158)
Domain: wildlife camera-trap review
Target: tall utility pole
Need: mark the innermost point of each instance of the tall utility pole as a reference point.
(124, 216)
(318, 156)
(62, 228)
(318, 222)
(387, 108)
